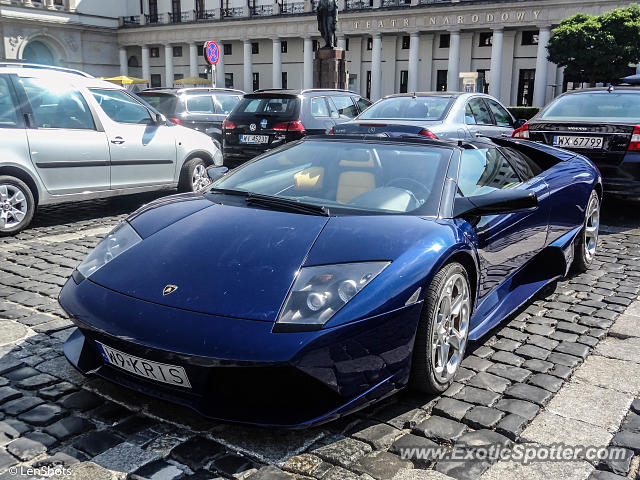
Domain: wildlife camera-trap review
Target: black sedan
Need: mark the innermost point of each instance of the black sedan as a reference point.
(602, 124)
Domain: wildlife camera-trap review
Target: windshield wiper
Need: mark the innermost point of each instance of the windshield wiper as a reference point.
(229, 191)
(275, 202)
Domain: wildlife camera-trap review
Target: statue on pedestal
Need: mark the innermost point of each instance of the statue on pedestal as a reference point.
(327, 21)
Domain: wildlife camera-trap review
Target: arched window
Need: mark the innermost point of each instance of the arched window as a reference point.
(38, 52)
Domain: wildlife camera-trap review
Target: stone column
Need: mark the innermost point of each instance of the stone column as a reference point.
(495, 81)
(276, 69)
(168, 66)
(307, 80)
(193, 59)
(414, 65)
(124, 66)
(542, 68)
(342, 43)
(146, 71)
(248, 67)
(49, 4)
(220, 83)
(453, 75)
(376, 67)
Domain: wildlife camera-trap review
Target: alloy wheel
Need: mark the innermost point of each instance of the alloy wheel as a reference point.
(13, 206)
(199, 178)
(591, 227)
(449, 334)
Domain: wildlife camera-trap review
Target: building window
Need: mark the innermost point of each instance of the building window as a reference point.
(227, 49)
(368, 89)
(486, 38)
(133, 61)
(176, 10)
(177, 51)
(256, 81)
(346, 44)
(530, 37)
(228, 80)
(154, 52)
(526, 80)
(404, 80)
(441, 80)
(153, 11)
(156, 80)
(285, 83)
(283, 46)
(204, 75)
(255, 48)
(177, 76)
(482, 84)
(200, 50)
(314, 45)
(444, 41)
(369, 43)
(406, 41)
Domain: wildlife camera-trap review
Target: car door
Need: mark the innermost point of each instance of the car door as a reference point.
(505, 242)
(322, 116)
(68, 147)
(503, 119)
(143, 152)
(478, 118)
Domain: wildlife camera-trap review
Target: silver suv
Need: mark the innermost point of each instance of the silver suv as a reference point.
(66, 137)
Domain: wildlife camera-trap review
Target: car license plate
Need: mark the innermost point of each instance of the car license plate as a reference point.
(161, 372)
(570, 141)
(254, 139)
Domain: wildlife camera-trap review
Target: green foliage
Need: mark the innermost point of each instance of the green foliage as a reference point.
(524, 113)
(598, 48)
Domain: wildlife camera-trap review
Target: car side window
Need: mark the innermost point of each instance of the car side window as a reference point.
(469, 118)
(526, 167)
(362, 103)
(345, 106)
(57, 106)
(319, 107)
(484, 171)
(480, 111)
(8, 104)
(225, 103)
(120, 107)
(502, 117)
(200, 104)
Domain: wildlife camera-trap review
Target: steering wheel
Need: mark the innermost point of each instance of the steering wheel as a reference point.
(413, 188)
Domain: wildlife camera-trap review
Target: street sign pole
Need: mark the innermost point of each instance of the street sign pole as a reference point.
(213, 76)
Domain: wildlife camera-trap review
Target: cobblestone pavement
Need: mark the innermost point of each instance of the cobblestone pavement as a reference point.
(565, 368)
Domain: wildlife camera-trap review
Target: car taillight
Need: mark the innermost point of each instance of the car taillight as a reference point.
(426, 133)
(522, 132)
(228, 125)
(331, 132)
(634, 144)
(175, 120)
(295, 126)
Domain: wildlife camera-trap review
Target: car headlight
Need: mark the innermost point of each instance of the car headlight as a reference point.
(121, 239)
(319, 292)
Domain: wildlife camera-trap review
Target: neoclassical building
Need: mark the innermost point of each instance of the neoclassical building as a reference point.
(392, 45)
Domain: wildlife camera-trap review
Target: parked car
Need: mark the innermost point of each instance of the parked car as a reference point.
(435, 115)
(66, 137)
(338, 270)
(267, 119)
(600, 123)
(203, 109)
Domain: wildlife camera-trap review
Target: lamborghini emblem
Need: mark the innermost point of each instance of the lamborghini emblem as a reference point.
(169, 289)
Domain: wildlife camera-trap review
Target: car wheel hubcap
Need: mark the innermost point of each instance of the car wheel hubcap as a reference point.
(449, 335)
(13, 206)
(591, 226)
(199, 179)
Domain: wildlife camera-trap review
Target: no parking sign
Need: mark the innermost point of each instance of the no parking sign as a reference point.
(211, 52)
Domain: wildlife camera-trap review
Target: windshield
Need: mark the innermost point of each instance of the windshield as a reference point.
(162, 102)
(408, 108)
(374, 177)
(614, 107)
(268, 106)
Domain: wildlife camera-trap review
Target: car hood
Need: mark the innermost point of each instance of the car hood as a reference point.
(217, 255)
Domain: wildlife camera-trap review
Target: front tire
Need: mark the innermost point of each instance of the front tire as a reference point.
(193, 176)
(17, 205)
(587, 242)
(443, 330)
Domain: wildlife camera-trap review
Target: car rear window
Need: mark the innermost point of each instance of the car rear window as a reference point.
(595, 106)
(164, 103)
(200, 104)
(409, 108)
(225, 103)
(276, 106)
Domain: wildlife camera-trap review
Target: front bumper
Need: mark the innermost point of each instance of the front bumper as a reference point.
(239, 370)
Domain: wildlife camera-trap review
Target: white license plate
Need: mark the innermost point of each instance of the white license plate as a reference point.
(254, 139)
(570, 141)
(160, 372)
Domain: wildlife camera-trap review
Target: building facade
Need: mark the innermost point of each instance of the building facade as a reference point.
(392, 45)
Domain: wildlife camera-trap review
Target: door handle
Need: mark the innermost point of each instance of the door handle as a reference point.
(118, 140)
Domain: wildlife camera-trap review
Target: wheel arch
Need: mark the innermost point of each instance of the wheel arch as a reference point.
(25, 177)
(206, 156)
(469, 263)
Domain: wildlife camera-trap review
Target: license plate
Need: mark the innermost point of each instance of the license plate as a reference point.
(570, 141)
(254, 139)
(160, 372)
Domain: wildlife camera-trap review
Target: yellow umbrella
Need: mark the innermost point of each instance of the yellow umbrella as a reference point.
(192, 81)
(124, 80)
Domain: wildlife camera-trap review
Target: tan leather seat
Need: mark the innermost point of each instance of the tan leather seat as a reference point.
(358, 177)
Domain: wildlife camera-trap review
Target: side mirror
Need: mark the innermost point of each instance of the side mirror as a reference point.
(494, 203)
(518, 123)
(216, 173)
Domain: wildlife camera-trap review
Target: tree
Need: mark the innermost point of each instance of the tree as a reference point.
(597, 48)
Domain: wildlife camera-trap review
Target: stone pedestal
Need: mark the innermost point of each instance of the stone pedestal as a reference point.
(330, 69)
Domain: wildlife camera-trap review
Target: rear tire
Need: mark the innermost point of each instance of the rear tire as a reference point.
(193, 176)
(17, 205)
(586, 244)
(443, 330)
